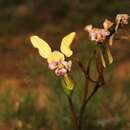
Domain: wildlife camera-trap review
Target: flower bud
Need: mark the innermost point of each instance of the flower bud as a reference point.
(122, 18)
(88, 28)
(107, 24)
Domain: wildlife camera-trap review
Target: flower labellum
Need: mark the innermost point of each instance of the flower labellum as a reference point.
(60, 71)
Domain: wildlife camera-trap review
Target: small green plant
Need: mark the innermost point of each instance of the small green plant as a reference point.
(100, 57)
(22, 114)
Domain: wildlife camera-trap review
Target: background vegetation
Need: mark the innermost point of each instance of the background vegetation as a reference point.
(31, 97)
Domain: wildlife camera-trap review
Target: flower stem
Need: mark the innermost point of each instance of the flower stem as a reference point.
(73, 114)
(82, 110)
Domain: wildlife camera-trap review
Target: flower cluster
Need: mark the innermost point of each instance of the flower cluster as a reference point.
(99, 34)
(56, 59)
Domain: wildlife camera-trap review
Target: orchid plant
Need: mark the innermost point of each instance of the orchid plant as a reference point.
(57, 61)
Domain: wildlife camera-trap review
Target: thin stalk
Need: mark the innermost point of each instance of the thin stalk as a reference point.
(87, 80)
(82, 110)
(73, 114)
(85, 73)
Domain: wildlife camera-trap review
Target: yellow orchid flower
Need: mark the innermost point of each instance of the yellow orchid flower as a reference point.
(55, 59)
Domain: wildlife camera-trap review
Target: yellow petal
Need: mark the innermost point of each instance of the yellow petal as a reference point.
(42, 46)
(55, 56)
(65, 44)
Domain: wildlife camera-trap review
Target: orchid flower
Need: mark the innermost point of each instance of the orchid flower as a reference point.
(99, 35)
(56, 59)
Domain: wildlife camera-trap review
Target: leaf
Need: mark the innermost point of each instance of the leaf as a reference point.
(99, 64)
(111, 40)
(106, 56)
(110, 58)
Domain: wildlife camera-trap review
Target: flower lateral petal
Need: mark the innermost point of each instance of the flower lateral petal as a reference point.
(66, 43)
(42, 46)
